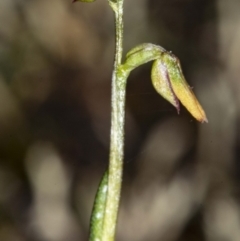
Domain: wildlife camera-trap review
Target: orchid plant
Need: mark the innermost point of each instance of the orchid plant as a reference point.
(169, 82)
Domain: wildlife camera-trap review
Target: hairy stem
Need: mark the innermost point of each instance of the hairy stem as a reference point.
(117, 131)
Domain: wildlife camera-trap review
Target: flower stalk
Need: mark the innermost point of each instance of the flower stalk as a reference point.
(117, 130)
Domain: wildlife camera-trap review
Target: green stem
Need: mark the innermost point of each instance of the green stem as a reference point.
(117, 131)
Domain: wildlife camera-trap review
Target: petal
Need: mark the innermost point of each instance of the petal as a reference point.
(182, 89)
(162, 84)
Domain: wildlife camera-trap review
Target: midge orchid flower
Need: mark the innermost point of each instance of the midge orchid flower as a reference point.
(167, 77)
(169, 82)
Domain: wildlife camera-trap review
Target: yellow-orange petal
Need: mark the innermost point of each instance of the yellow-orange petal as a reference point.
(181, 88)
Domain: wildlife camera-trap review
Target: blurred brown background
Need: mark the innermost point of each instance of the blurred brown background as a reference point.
(181, 178)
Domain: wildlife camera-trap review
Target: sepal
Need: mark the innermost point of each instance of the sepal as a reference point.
(142, 54)
(162, 84)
